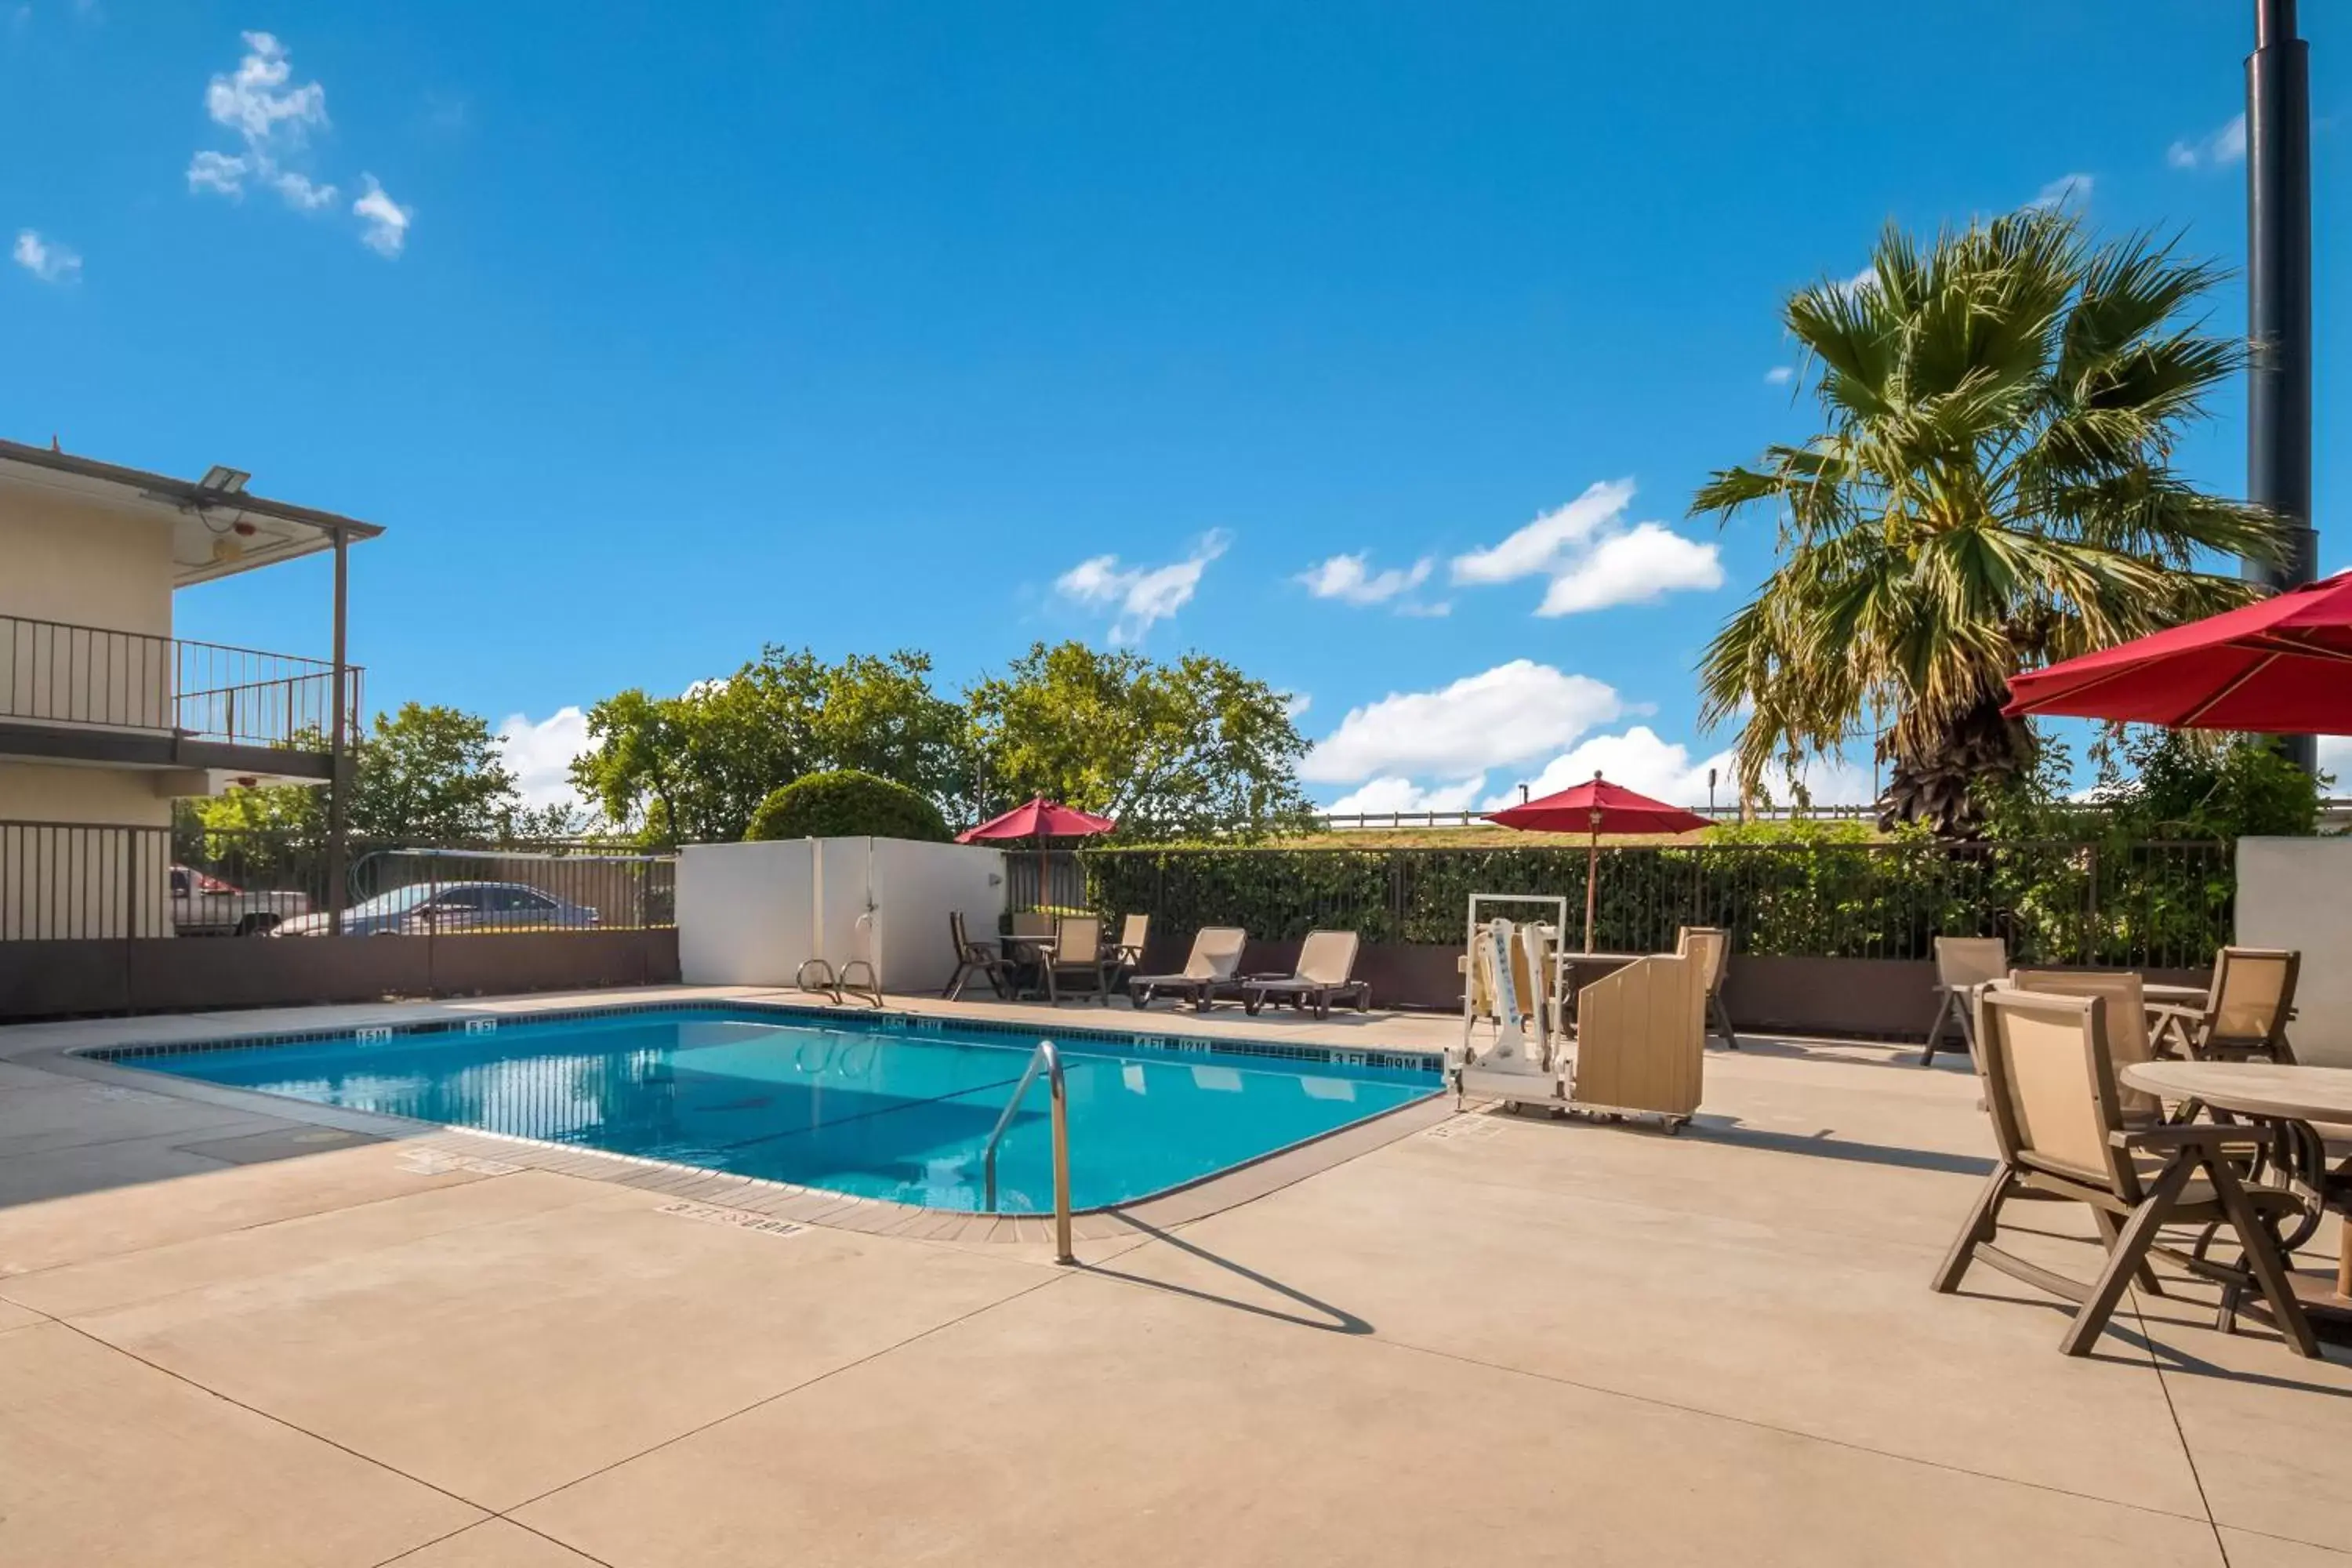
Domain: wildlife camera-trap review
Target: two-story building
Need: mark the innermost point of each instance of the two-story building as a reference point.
(106, 718)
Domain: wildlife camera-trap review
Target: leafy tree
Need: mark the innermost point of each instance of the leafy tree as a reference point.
(846, 802)
(1993, 490)
(1191, 749)
(424, 774)
(695, 767)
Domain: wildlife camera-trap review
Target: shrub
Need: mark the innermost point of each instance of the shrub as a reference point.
(847, 803)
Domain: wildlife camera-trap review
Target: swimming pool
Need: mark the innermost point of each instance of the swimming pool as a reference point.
(884, 1107)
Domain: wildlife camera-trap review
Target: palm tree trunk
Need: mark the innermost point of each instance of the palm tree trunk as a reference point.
(1938, 786)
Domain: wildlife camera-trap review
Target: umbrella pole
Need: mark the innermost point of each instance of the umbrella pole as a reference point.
(1591, 882)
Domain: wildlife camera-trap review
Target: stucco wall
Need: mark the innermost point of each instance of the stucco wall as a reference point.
(68, 561)
(127, 797)
(748, 914)
(744, 911)
(2297, 893)
(79, 880)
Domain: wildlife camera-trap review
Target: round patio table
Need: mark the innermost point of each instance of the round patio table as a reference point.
(2263, 1091)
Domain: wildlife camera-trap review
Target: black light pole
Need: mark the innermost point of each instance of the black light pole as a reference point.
(2278, 299)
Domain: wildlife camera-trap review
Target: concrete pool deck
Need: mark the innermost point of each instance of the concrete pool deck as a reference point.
(231, 1336)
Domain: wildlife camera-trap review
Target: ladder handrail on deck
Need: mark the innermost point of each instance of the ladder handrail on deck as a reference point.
(1047, 1059)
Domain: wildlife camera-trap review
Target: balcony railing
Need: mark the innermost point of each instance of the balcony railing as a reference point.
(94, 677)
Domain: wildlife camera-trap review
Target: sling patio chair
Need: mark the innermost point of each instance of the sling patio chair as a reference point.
(1711, 945)
(1134, 931)
(1208, 971)
(2058, 1122)
(1325, 973)
(1962, 964)
(2127, 1024)
(1077, 951)
(973, 958)
(2245, 1011)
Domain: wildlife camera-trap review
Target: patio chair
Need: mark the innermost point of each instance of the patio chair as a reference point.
(1078, 951)
(1325, 973)
(1711, 945)
(1963, 963)
(1208, 971)
(1134, 931)
(2127, 1026)
(1028, 938)
(2057, 1120)
(974, 958)
(2245, 1011)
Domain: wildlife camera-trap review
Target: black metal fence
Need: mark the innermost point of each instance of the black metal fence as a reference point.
(52, 672)
(63, 881)
(2155, 904)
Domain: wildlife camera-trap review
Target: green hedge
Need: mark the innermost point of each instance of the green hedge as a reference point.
(2161, 905)
(847, 803)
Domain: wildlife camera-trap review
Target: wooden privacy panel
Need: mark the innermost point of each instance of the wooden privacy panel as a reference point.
(1640, 1037)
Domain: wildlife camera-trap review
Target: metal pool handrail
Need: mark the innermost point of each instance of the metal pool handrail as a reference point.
(1049, 1059)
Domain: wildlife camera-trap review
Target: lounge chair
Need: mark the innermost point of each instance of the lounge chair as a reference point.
(1208, 972)
(974, 958)
(2058, 1122)
(1962, 964)
(1711, 945)
(1078, 953)
(2244, 1014)
(1326, 963)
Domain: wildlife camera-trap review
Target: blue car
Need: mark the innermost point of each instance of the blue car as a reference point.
(442, 908)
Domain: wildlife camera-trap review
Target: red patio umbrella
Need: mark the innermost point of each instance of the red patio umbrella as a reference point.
(1598, 807)
(2282, 665)
(1040, 819)
(1037, 818)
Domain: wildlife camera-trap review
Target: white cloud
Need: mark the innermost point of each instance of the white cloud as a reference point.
(1593, 558)
(274, 120)
(1779, 375)
(1138, 596)
(1294, 704)
(274, 117)
(45, 258)
(1507, 714)
(1848, 287)
(2224, 144)
(1632, 568)
(1637, 758)
(1391, 793)
(2336, 757)
(539, 753)
(387, 220)
(1350, 579)
(301, 193)
(2072, 192)
(1665, 770)
(1534, 548)
(256, 103)
(219, 173)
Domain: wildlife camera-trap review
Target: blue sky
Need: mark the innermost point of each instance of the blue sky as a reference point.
(652, 335)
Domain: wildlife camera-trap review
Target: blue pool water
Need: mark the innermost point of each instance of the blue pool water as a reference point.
(871, 1109)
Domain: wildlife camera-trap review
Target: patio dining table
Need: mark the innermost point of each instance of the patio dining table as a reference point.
(2268, 1092)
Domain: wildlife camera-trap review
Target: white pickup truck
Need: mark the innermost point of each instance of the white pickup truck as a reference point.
(204, 905)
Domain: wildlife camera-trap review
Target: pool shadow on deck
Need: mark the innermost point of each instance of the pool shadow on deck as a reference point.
(1334, 1320)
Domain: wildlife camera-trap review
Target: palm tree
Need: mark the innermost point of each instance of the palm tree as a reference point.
(1993, 490)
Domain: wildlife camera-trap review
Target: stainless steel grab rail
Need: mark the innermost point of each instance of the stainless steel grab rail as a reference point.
(1047, 1059)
